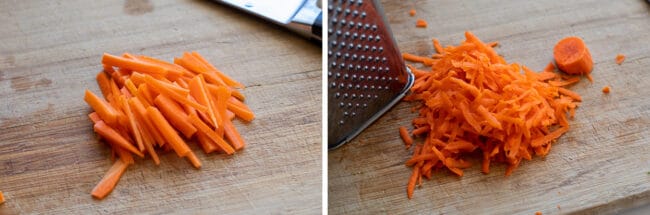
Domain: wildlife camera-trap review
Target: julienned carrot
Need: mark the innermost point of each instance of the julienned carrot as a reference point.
(175, 114)
(572, 56)
(167, 131)
(108, 182)
(105, 111)
(472, 99)
(147, 101)
(114, 137)
(200, 93)
(203, 128)
(161, 88)
(227, 79)
(233, 135)
(2, 198)
(134, 65)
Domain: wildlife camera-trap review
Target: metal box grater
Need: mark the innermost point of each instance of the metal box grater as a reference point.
(366, 72)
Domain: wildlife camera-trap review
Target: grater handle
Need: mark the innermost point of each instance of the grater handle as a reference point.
(308, 20)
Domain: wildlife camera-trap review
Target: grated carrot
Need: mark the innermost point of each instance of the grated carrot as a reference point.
(472, 99)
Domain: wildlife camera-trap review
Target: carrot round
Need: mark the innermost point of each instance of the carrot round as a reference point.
(572, 56)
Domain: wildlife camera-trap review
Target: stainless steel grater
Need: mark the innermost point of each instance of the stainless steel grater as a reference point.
(366, 72)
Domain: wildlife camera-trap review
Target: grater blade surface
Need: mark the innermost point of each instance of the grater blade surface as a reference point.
(366, 72)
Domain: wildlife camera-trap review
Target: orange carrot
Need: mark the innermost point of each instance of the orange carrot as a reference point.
(606, 89)
(227, 79)
(233, 135)
(108, 182)
(620, 58)
(134, 65)
(412, 12)
(420, 23)
(162, 88)
(135, 130)
(114, 137)
(202, 127)
(103, 83)
(403, 132)
(167, 131)
(572, 56)
(105, 111)
(2, 198)
(175, 114)
(472, 99)
(199, 92)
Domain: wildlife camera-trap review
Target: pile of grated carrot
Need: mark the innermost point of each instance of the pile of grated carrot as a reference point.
(473, 101)
(151, 104)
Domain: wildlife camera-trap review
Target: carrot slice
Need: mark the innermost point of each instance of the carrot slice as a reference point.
(108, 182)
(103, 83)
(572, 56)
(199, 92)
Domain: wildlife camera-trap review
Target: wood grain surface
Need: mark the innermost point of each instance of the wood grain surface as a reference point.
(600, 166)
(50, 159)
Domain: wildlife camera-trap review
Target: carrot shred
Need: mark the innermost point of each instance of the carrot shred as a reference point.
(412, 12)
(472, 99)
(150, 104)
(403, 132)
(108, 182)
(606, 89)
(620, 58)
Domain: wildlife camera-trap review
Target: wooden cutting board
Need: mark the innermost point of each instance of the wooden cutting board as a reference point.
(50, 159)
(601, 165)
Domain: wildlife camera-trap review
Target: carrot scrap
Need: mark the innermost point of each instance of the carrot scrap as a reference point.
(2, 198)
(420, 23)
(150, 104)
(572, 56)
(606, 89)
(472, 99)
(412, 12)
(620, 58)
